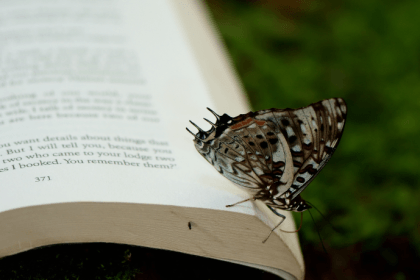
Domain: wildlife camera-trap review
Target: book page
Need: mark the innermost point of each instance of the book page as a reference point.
(94, 100)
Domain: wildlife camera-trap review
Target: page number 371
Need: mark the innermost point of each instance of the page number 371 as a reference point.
(42, 179)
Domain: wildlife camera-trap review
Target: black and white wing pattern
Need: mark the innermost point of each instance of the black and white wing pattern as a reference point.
(274, 153)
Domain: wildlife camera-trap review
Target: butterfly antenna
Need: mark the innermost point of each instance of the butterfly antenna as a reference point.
(191, 132)
(322, 242)
(212, 124)
(196, 126)
(216, 115)
(331, 225)
(300, 226)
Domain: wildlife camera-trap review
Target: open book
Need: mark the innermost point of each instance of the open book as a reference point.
(94, 100)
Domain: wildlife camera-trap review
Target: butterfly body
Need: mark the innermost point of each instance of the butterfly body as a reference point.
(274, 154)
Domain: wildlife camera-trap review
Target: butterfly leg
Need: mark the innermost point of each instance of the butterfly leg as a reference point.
(252, 198)
(278, 214)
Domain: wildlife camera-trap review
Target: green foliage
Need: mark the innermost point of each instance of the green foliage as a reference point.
(367, 52)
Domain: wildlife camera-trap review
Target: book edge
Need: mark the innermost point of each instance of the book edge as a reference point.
(223, 235)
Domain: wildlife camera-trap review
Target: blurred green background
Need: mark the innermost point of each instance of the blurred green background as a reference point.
(292, 53)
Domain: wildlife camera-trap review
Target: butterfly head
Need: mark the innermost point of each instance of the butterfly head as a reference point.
(302, 206)
(201, 138)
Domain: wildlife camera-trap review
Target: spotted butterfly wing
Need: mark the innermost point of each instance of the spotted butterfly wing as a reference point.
(274, 153)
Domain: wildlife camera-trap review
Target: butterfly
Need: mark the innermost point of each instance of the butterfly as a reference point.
(274, 154)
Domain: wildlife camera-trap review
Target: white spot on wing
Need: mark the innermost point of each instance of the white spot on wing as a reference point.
(296, 149)
(290, 131)
(239, 159)
(303, 128)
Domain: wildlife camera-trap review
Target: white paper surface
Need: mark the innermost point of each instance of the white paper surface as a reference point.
(94, 100)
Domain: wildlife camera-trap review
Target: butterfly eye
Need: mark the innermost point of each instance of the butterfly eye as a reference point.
(202, 135)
